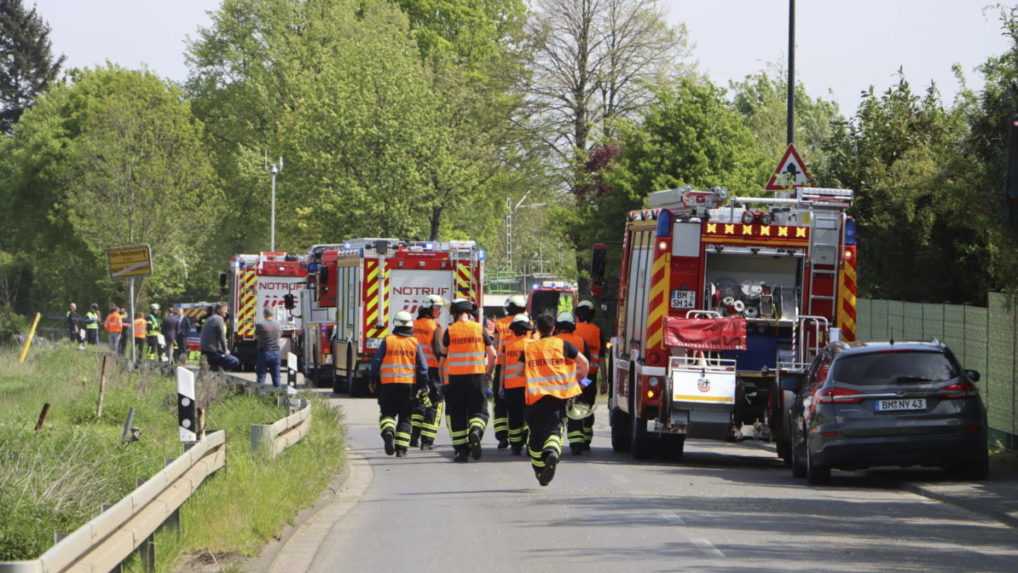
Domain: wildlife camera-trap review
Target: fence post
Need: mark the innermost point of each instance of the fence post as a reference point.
(261, 440)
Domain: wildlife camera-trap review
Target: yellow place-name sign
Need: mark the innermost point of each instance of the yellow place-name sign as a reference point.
(129, 261)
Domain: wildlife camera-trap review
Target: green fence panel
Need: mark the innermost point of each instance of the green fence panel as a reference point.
(913, 321)
(954, 329)
(1001, 368)
(896, 319)
(863, 319)
(933, 322)
(879, 322)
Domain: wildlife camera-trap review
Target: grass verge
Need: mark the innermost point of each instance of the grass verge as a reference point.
(57, 479)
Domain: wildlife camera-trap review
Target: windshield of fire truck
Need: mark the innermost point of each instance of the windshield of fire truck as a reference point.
(550, 302)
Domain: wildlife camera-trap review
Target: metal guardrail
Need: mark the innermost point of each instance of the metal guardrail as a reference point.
(272, 439)
(106, 541)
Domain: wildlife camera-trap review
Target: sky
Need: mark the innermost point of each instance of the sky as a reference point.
(843, 46)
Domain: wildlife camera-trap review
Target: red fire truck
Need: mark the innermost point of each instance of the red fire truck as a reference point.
(721, 304)
(254, 283)
(318, 316)
(367, 281)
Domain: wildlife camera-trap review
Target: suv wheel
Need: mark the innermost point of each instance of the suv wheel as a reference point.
(815, 475)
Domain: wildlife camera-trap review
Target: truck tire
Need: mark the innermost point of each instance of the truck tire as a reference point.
(673, 447)
(620, 430)
(798, 460)
(641, 444)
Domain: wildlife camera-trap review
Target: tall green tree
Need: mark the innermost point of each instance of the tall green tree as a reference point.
(27, 65)
(113, 157)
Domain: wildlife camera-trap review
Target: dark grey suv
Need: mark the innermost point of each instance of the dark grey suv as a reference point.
(888, 404)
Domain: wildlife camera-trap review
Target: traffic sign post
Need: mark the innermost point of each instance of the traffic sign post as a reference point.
(129, 262)
(790, 173)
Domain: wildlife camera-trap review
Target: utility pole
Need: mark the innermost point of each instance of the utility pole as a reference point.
(275, 169)
(791, 72)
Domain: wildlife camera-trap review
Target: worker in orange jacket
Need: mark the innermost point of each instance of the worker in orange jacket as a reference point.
(513, 383)
(591, 335)
(554, 369)
(114, 325)
(514, 305)
(468, 360)
(399, 371)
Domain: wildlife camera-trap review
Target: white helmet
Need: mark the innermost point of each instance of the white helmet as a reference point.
(433, 300)
(585, 304)
(566, 317)
(154, 306)
(518, 300)
(402, 320)
(521, 318)
(462, 305)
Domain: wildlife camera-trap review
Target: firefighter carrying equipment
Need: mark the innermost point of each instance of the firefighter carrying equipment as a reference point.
(466, 352)
(548, 371)
(398, 364)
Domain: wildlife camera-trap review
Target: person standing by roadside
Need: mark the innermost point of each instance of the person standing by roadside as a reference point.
(267, 342)
(138, 329)
(171, 324)
(213, 341)
(114, 327)
(152, 332)
(73, 323)
(125, 332)
(183, 331)
(92, 325)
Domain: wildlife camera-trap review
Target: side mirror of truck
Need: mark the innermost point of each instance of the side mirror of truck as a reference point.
(288, 301)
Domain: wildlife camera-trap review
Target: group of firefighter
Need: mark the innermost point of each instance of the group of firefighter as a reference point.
(541, 373)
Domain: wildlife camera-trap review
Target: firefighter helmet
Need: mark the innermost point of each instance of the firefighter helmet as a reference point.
(585, 304)
(402, 320)
(565, 317)
(433, 300)
(516, 300)
(462, 305)
(521, 319)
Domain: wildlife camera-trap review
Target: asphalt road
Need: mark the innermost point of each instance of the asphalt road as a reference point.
(725, 507)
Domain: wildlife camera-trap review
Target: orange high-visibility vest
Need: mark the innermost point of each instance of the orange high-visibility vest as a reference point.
(399, 360)
(424, 332)
(465, 354)
(549, 372)
(503, 332)
(574, 339)
(591, 334)
(139, 328)
(513, 372)
(114, 324)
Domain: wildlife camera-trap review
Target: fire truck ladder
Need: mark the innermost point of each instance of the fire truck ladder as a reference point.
(824, 250)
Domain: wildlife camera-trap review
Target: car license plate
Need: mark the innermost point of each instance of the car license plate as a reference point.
(902, 405)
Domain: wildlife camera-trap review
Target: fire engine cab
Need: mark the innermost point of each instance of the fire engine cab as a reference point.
(367, 281)
(254, 283)
(721, 302)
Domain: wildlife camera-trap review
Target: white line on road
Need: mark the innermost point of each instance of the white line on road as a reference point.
(709, 547)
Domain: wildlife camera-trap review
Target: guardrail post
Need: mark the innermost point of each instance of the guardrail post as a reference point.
(148, 554)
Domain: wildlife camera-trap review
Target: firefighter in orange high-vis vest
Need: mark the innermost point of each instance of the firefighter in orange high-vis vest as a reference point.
(514, 379)
(468, 359)
(513, 305)
(398, 370)
(565, 328)
(591, 334)
(554, 369)
(428, 408)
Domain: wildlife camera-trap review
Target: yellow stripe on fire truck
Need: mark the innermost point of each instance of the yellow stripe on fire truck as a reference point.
(657, 311)
(465, 287)
(846, 295)
(378, 297)
(247, 304)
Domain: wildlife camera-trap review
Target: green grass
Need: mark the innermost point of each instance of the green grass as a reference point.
(56, 479)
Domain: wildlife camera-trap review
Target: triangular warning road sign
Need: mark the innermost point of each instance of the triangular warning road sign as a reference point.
(791, 172)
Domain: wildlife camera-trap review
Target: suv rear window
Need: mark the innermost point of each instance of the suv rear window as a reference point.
(894, 367)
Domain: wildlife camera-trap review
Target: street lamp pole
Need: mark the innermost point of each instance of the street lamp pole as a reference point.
(791, 72)
(275, 169)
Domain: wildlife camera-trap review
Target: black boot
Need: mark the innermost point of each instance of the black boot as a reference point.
(462, 456)
(517, 450)
(426, 444)
(415, 436)
(390, 447)
(401, 452)
(503, 442)
(548, 472)
(577, 449)
(475, 444)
